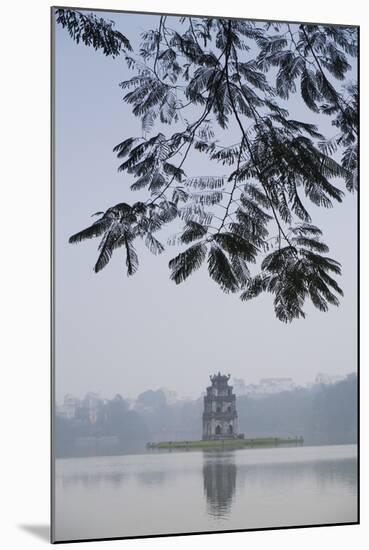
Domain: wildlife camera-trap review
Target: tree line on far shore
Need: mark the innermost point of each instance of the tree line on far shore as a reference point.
(323, 414)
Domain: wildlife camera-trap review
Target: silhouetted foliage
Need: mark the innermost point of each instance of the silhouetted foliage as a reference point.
(115, 418)
(152, 399)
(323, 414)
(214, 79)
(92, 31)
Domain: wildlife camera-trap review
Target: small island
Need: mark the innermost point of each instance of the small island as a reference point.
(238, 443)
(220, 423)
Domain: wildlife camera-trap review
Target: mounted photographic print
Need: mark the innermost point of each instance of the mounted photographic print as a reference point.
(205, 274)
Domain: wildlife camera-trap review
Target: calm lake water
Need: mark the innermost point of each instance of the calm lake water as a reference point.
(178, 492)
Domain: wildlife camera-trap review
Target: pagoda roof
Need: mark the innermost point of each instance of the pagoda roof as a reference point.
(219, 378)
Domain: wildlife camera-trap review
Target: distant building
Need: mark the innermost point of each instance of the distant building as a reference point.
(69, 407)
(264, 387)
(327, 379)
(276, 385)
(170, 395)
(239, 386)
(83, 409)
(220, 414)
(92, 403)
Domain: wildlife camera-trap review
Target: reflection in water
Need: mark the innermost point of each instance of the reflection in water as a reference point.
(204, 491)
(219, 474)
(320, 474)
(92, 479)
(95, 477)
(343, 472)
(153, 478)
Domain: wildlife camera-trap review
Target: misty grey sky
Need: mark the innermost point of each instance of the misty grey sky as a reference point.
(118, 334)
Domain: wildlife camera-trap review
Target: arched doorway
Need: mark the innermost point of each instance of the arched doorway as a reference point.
(218, 430)
(230, 429)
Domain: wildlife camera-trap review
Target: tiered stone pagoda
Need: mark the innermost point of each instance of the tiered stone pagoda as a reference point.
(219, 420)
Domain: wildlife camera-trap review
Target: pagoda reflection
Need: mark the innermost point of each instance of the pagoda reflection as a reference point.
(219, 476)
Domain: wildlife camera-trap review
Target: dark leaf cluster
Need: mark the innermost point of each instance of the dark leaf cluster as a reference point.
(205, 79)
(92, 31)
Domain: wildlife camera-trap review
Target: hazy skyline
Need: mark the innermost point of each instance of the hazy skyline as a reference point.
(177, 396)
(124, 335)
